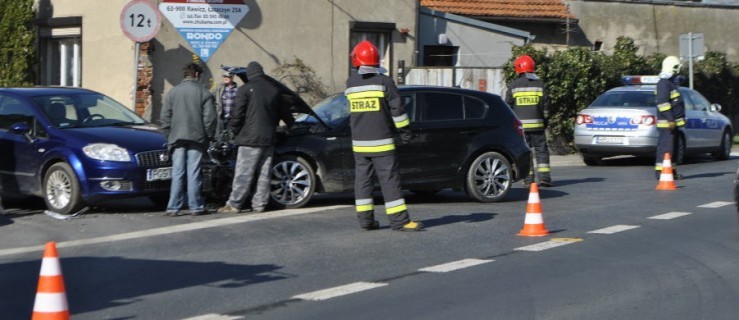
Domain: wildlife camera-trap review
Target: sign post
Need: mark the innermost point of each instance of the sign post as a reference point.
(140, 22)
(691, 47)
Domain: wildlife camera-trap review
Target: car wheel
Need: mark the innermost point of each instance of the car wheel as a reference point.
(293, 182)
(592, 161)
(61, 190)
(489, 177)
(724, 149)
(678, 156)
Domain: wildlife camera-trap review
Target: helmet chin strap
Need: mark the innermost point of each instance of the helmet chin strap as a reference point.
(371, 70)
(665, 75)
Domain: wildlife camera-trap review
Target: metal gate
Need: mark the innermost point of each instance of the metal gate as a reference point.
(490, 80)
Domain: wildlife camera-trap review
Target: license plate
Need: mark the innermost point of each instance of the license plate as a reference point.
(159, 174)
(609, 140)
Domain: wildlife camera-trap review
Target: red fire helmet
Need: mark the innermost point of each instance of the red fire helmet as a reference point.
(524, 64)
(365, 54)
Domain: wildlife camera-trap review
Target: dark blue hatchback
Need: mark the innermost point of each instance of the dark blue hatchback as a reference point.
(73, 147)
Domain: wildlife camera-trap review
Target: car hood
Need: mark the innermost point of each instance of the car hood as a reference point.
(135, 138)
(297, 104)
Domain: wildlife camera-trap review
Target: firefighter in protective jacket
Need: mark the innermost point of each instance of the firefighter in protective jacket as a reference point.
(528, 98)
(376, 113)
(671, 111)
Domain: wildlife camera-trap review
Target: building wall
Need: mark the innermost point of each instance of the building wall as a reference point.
(656, 27)
(277, 31)
(273, 32)
(107, 55)
(478, 47)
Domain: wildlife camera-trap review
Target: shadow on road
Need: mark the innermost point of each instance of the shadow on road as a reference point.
(457, 218)
(707, 175)
(100, 283)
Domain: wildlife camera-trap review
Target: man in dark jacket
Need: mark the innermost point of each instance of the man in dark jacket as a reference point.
(258, 108)
(188, 118)
(528, 98)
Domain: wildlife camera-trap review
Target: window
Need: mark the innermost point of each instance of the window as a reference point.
(441, 106)
(13, 111)
(379, 33)
(473, 108)
(439, 56)
(699, 102)
(60, 52)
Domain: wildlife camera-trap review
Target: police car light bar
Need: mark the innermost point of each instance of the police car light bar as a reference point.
(634, 80)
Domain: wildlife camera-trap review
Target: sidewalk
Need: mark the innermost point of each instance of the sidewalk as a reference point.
(569, 160)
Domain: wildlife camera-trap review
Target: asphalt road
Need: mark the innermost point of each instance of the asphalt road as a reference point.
(618, 249)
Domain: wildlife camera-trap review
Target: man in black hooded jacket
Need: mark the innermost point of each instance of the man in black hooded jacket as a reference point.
(258, 108)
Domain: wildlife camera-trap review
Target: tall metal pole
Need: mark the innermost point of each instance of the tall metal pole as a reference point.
(690, 57)
(135, 73)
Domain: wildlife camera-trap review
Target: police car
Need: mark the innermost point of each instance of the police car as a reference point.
(622, 121)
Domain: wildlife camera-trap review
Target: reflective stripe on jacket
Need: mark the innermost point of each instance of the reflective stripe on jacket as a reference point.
(670, 105)
(376, 111)
(527, 97)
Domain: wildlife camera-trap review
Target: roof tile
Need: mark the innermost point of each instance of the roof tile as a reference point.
(543, 9)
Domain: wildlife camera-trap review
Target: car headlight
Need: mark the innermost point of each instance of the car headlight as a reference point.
(106, 151)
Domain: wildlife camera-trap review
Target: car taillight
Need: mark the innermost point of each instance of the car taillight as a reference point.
(647, 120)
(519, 126)
(584, 118)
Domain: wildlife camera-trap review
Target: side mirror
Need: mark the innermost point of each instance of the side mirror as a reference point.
(20, 128)
(715, 107)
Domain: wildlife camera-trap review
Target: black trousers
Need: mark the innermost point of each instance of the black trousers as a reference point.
(665, 144)
(537, 141)
(388, 175)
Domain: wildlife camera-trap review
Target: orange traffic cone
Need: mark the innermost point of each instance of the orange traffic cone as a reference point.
(534, 223)
(666, 179)
(51, 299)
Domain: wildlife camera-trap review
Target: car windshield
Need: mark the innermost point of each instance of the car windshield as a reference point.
(333, 110)
(85, 110)
(625, 99)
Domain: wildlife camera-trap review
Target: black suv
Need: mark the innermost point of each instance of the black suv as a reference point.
(461, 139)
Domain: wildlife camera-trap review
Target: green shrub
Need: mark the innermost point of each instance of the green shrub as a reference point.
(576, 76)
(16, 48)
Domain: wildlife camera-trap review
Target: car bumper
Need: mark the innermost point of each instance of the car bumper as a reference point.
(586, 144)
(120, 180)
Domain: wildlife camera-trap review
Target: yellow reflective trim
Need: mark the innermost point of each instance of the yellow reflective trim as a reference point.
(373, 149)
(365, 207)
(396, 209)
(366, 94)
(533, 125)
(664, 107)
(528, 93)
(674, 94)
(403, 123)
(658, 168)
(663, 125)
(544, 169)
(680, 123)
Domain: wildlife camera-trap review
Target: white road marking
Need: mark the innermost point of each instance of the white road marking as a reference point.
(613, 229)
(717, 204)
(455, 265)
(240, 218)
(541, 246)
(215, 317)
(339, 291)
(669, 215)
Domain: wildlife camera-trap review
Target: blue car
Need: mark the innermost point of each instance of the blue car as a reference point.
(74, 147)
